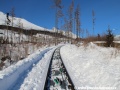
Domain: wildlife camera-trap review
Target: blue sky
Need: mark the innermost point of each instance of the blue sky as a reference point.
(40, 12)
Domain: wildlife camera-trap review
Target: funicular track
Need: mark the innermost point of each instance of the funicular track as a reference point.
(57, 76)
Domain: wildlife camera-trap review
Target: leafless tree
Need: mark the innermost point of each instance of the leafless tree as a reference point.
(93, 20)
(58, 13)
(77, 18)
(12, 12)
(71, 19)
(82, 32)
(8, 23)
(19, 31)
(66, 29)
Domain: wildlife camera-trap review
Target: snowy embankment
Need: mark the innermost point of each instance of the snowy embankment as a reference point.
(35, 80)
(12, 75)
(92, 66)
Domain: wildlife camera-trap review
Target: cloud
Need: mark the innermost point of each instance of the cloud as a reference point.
(114, 29)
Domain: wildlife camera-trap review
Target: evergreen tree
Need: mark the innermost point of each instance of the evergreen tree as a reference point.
(109, 38)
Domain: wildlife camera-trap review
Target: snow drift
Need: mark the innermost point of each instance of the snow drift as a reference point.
(9, 76)
(92, 66)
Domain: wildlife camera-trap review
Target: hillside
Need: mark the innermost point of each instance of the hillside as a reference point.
(18, 22)
(27, 28)
(117, 37)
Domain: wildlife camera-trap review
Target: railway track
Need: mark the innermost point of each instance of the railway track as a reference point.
(57, 76)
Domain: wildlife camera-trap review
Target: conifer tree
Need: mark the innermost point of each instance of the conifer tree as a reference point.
(109, 38)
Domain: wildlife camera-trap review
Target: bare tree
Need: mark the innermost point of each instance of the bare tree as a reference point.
(8, 23)
(77, 18)
(70, 13)
(82, 33)
(12, 12)
(58, 13)
(93, 20)
(66, 28)
(19, 32)
(87, 33)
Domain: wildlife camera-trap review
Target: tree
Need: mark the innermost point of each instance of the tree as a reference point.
(93, 20)
(66, 25)
(70, 14)
(109, 38)
(98, 36)
(12, 12)
(8, 23)
(77, 14)
(58, 13)
(19, 30)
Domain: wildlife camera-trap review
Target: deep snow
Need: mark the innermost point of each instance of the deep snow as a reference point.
(92, 66)
(35, 80)
(11, 76)
(88, 66)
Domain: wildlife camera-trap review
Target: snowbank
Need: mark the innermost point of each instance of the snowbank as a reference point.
(92, 66)
(36, 78)
(10, 76)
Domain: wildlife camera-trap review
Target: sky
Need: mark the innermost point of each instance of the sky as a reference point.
(41, 13)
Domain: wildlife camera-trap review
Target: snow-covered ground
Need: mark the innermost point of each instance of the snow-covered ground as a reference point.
(88, 66)
(18, 76)
(92, 66)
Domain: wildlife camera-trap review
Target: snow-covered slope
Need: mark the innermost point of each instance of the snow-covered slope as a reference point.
(64, 33)
(92, 66)
(19, 22)
(117, 37)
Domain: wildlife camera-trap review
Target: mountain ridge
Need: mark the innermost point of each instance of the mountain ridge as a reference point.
(19, 22)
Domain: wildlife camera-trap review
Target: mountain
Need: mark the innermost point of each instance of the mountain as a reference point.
(19, 22)
(117, 37)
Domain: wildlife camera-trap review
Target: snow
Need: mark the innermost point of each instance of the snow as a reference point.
(116, 41)
(13, 74)
(92, 66)
(99, 42)
(35, 80)
(88, 66)
(63, 32)
(117, 37)
(19, 22)
(22, 23)
(15, 37)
